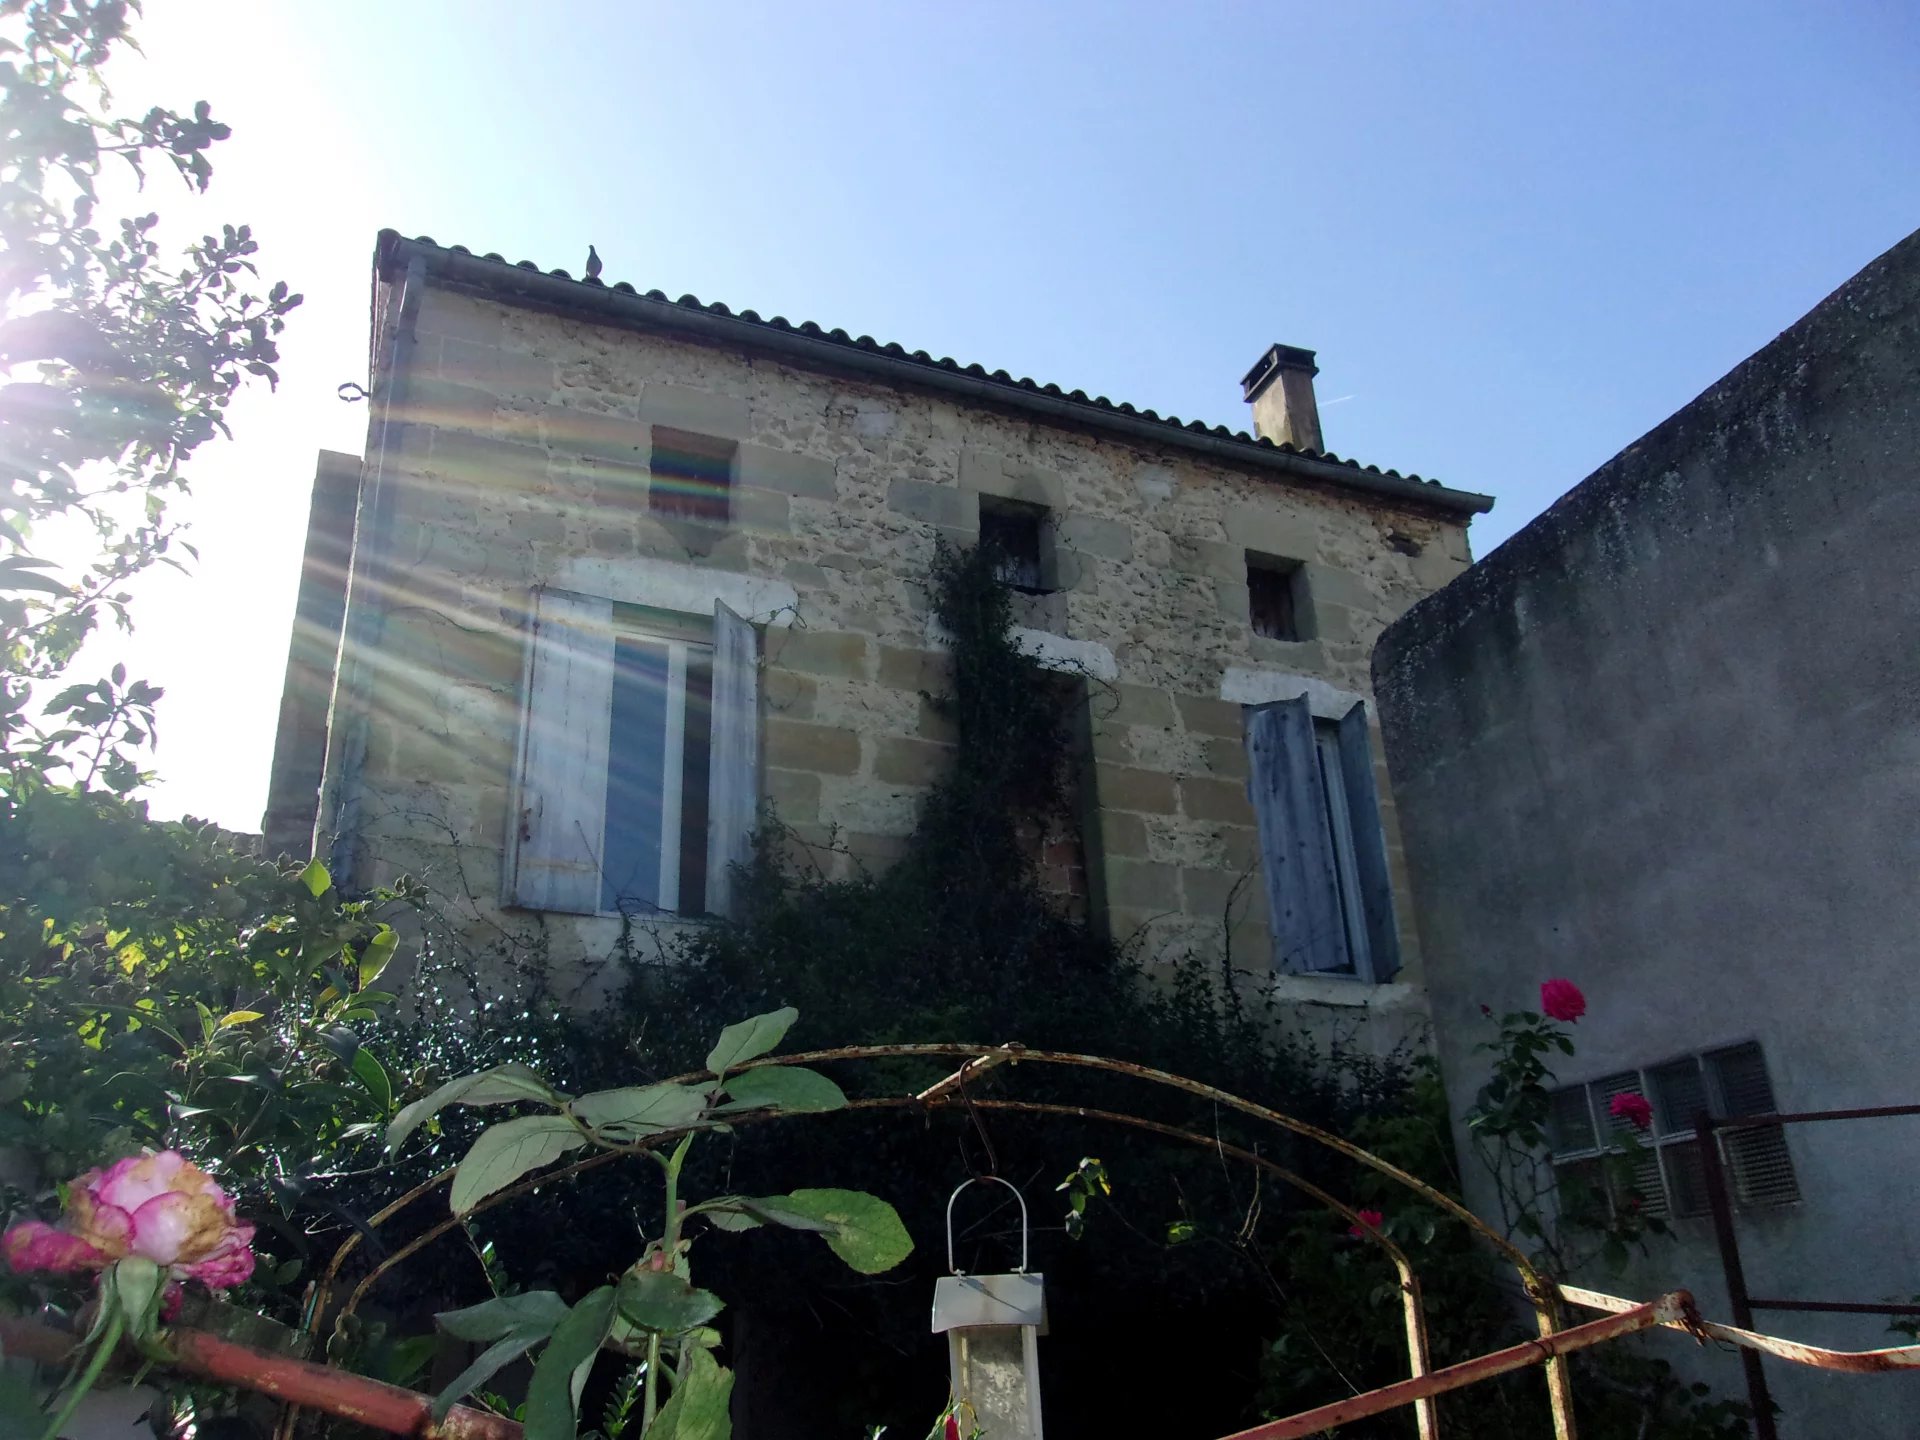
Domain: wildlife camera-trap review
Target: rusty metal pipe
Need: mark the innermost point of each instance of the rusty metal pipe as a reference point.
(1668, 1309)
(339, 1393)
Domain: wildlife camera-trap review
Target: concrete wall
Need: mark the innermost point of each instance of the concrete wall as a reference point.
(517, 455)
(1666, 742)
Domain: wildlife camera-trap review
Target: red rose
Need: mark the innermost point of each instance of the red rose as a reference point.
(1562, 1000)
(1369, 1220)
(1632, 1106)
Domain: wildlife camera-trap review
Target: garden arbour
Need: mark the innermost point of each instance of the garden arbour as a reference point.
(953, 1092)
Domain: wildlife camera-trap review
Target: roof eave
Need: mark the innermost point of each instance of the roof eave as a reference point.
(593, 301)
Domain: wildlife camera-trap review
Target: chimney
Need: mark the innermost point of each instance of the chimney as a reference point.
(1280, 389)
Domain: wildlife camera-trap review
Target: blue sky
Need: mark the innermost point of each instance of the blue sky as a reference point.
(1518, 236)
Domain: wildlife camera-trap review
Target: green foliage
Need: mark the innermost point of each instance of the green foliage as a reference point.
(159, 987)
(123, 358)
(655, 1305)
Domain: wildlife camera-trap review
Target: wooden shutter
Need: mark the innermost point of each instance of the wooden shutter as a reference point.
(1296, 849)
(1369, 844)
(733, 758)
(560, 795)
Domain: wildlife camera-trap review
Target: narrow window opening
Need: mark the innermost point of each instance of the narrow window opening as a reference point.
(1014, 534)
(692, 476)
(1273, 597)
(653, 858)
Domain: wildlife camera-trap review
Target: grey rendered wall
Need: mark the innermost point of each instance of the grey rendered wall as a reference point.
(1666, 742)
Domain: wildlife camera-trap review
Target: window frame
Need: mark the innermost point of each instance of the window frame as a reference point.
(1670, 1138)
(1028, 573)
(1330, 902)
(1283, 582)
(553, 859)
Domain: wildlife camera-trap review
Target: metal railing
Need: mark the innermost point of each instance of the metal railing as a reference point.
(1742, 1305)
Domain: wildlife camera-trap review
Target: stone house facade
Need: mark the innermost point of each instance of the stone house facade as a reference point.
(622, 576)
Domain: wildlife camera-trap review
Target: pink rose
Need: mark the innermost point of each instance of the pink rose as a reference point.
(161, 1207)
(1562, 1000)
(34, 1245)
(1369, 1220)
(1633, 1107)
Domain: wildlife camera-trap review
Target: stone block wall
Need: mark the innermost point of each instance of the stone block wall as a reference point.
(520, 457)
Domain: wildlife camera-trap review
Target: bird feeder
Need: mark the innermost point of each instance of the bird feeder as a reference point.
(992, 1323)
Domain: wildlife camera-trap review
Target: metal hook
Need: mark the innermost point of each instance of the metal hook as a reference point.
(1024, 1227)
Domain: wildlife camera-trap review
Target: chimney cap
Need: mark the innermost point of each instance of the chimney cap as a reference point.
(1278, 357)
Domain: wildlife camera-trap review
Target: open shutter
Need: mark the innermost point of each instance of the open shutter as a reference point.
(733, 758)
(560, 796)
(1296, 848)
(1369, 844)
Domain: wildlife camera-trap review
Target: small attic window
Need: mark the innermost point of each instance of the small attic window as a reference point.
(692, 476)
(1273, 599)
(1014, 534)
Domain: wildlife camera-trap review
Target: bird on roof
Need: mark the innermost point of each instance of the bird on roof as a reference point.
(593, 263)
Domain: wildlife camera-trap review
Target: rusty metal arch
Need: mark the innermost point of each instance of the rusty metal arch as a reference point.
(951, 1093)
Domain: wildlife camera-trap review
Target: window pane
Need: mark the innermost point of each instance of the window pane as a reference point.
(1582, 1187)
(690, 475)
(1011, 533)
(1686, 1177)
(1679, 1095)
(1570, 1121)
(1759, 1166)
(1270, 601)
(1638, 1184)
(636, 780)
(693, 787)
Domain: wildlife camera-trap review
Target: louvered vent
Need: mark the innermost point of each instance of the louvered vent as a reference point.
(1758, 1164)
(1570, 1121)
(1679, 1095)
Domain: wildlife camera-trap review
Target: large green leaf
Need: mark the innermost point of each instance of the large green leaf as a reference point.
(498, 1086)
(495, 1358)
(698, 1407)
(316, 879)
(866, 1232)
(748, 1212)
(489, 1320)
(368, 1070)
(640, 1109)
(784, 1087)
(663, 1300)
(375, 954)
(750, 1039)
(506, 1151)
(553, 1397)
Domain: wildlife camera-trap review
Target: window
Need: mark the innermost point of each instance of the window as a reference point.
(1013, 532)
(1668, 1176)
(654, 851)
(692, 476)
(638, 764)
(1324, 856)
(1273, 597)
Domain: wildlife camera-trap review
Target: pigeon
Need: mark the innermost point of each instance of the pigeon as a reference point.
(593, 263)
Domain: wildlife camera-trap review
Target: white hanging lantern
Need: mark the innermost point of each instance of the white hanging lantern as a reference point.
(992, 1323)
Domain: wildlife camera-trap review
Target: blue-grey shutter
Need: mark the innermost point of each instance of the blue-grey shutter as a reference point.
(1369, 844)
(558, 821)
(733, 757)
(1296, 850)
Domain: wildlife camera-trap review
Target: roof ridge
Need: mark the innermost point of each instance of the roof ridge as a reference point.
(390, 240)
